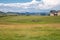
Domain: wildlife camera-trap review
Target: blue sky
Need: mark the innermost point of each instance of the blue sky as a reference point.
(14, 1)
(29, 5)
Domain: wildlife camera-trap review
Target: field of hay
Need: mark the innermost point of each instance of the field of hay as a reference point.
(30, 28)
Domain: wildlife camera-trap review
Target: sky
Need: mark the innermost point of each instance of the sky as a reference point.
(29, 5)
(14, 1)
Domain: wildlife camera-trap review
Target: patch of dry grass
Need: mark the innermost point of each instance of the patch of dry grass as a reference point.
(29, 31)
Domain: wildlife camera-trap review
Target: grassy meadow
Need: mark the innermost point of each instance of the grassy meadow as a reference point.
(30, 19)
(30, 28)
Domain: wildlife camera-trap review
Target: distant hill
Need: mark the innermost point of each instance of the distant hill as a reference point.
(26, 13)
(2, 13)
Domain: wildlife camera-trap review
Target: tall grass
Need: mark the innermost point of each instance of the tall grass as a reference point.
(34, 33)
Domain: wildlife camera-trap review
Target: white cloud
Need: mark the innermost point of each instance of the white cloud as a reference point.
(51, 2)
(36, 5)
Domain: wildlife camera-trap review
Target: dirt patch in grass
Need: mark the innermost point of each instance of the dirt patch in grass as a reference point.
(29, 25)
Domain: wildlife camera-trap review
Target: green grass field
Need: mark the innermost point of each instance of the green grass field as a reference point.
(30, 19)
(30, 28)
